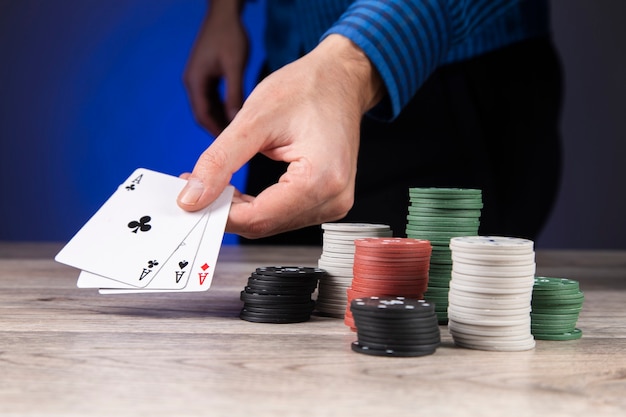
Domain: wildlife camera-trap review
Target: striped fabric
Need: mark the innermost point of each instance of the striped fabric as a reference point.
(408, 39)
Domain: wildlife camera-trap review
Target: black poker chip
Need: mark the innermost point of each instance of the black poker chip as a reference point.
(392, 351)
(290, 271)
(396, 306)
(280, 280)
(269, 289)
(273, 318)
(252, 297)
(395, 326)
(398, 342)
(308, 309)
(280, 294)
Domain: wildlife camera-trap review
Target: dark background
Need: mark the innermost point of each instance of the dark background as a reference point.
(91, 90)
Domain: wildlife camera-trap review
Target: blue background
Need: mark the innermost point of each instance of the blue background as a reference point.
(91, 90)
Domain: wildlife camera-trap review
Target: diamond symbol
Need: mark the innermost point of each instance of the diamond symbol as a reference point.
(205, 267)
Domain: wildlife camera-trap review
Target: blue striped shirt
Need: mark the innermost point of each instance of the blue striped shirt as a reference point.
(406, 40)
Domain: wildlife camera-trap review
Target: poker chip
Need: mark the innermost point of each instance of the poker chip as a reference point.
(337, 259)
(437, 215)
(395, 326)
(555, 308)
(489, 299)
(389, 267)
(280, 294)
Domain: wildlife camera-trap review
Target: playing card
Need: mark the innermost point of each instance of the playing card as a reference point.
(201, 273)
(132, 236)
(173, 275)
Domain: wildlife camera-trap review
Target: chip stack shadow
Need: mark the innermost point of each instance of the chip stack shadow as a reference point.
(437, 215)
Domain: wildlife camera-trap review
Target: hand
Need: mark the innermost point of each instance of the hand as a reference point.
(219, 52)
(307, 114)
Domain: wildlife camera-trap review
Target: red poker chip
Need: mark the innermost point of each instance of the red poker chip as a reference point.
(388, 284)
(391, 265)
(391, 252)
(397, 244)
(391, 270)
(373, 274)
(423, 255)
(392, 260)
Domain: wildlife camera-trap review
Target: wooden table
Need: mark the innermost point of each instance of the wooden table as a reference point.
(66, 351)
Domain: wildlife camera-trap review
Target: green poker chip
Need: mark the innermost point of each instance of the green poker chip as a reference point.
(445, 192)
(573, 335)
(566, 296)
(556, 310)
(539, 317)
(429, 212)
(437, 235)
(443, 220)
(444, 227)
(552, 284)
(446, 204)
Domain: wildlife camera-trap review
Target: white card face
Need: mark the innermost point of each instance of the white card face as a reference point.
(173, 275)
(201, 274)
(132, 236)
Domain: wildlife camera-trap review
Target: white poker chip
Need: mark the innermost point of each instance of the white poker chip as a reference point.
(335, 266)
(497, 281)
(492, 244)
(488, 331)
(487, 303)
(475, 320)
(355, 227)
(469, 338)
(496, 343)
(489, 312)
(454, 285)
(493, 344)
(331, 254)
(494, 272)
(493, 259)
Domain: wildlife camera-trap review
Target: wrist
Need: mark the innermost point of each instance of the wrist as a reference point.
(357, 73)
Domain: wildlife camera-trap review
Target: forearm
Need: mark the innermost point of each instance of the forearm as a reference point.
(225, 7)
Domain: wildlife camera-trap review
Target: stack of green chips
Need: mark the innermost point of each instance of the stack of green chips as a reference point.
(556, 305)
(437, 215)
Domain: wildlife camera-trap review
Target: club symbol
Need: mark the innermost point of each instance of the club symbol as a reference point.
(130, 187)
(142, 224)
(152, 264)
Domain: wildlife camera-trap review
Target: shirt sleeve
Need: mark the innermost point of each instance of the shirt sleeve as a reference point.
(406, 40)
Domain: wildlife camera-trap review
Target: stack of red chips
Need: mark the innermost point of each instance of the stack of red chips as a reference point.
(384, 266)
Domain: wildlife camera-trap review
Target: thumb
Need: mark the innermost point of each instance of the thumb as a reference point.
(214, 169)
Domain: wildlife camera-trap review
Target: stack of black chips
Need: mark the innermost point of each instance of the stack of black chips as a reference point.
(395, 326)
(280, 294)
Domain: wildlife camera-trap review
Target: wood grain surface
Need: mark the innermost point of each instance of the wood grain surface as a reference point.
(66, 351)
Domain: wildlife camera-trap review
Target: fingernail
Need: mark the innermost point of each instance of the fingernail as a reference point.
(192, 192)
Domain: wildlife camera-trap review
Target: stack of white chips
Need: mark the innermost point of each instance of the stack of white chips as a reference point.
(491, 293)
